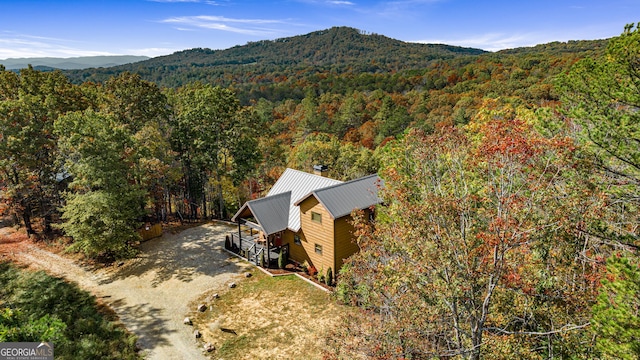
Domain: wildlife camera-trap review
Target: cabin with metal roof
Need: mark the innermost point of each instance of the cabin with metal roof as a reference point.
(305, 216)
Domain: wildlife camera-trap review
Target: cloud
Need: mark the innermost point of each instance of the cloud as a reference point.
(489, 41)
(20, 46)
(239, 26)
(151, 52)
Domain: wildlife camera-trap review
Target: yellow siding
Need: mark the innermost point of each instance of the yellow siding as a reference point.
(345, 245)
(296, 252)
(316, 233)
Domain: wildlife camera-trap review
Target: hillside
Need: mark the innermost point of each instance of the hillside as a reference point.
(341, 60)
(48, 63)
(339, 49)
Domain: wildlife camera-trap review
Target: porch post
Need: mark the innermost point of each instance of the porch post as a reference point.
(239, 235)
(268, 254)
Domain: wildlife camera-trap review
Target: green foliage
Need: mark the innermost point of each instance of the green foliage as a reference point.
(282, 259)
(103, 212)
(602, 95)
(329, 277)
(37, 307)
(616, 316)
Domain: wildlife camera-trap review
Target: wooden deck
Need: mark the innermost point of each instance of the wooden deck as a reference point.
(250, 248)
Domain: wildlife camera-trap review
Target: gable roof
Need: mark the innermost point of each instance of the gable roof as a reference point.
(271, 212)
(299, 183)
(341, 199)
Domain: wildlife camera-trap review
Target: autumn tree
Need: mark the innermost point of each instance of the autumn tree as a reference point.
(476, 251)
(30, 102)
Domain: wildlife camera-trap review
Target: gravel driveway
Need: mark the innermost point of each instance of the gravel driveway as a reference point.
(152, 293)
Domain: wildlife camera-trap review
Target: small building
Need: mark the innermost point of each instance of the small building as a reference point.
(307, 216)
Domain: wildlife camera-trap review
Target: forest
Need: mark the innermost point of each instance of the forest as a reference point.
(510, 222)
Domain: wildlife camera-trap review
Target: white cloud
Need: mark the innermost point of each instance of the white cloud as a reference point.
(151, 52)
(490, 41)
(240, 26)
(20, 46)
(14, 45)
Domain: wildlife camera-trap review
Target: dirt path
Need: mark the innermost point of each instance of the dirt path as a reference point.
(152, 293)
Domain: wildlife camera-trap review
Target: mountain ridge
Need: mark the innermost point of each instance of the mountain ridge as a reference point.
(71, 63)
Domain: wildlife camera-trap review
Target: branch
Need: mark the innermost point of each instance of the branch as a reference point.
(568, 327)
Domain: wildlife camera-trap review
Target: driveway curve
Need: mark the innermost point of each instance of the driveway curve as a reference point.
(151, 293)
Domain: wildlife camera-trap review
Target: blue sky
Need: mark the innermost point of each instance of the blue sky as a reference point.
(38, 28)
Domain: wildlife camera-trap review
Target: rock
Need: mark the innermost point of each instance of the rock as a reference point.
(121, 263)
(247, 274)
(202, 307)
(209, 347)
(215, 296)
(186, 321)
(232, 285)
(197, 334)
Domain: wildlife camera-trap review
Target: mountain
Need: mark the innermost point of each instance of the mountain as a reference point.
(339, 49)
(341, 60)
(85, 62)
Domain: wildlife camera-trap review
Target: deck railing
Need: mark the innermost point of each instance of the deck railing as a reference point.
(251, 249)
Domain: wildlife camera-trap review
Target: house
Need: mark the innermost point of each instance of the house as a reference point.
(307, 216)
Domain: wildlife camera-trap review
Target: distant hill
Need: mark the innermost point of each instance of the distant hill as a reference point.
(340, 49)
(341, 60)
(85, 62)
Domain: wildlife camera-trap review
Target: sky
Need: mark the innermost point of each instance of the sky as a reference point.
(52, 28)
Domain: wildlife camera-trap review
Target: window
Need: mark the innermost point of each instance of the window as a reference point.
(316, 217)
(296, 239)
(318, 249)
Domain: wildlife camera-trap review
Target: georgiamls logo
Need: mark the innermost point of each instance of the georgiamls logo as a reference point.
(26, 351)
(47, 345)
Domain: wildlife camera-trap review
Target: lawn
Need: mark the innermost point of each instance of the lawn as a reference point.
(268, 318)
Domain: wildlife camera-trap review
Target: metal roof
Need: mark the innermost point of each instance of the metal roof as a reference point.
(341, 199)
(299, 183)
(270, 212)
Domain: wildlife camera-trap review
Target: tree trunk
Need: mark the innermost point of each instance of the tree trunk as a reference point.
(26, 217)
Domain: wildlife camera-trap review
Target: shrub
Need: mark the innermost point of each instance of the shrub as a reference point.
(282, 259)
(329, 277)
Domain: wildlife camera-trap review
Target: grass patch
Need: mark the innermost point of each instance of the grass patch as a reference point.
(269, 318)
(37, 307)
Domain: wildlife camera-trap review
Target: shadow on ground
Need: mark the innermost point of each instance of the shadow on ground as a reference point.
(194, 251)
(147, 322)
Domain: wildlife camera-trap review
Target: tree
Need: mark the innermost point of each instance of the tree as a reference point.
(474, 253)
(603, 97)
(102, 211)
(206, 130)
(30, 102)
(616, 316)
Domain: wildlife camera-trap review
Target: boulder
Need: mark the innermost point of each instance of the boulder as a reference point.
(247, 274)
(186, 321)
(197, 334)
(232, 285)
(209, 347)
(202, 307)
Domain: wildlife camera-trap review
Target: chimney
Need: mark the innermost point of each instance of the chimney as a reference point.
(321, 170)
